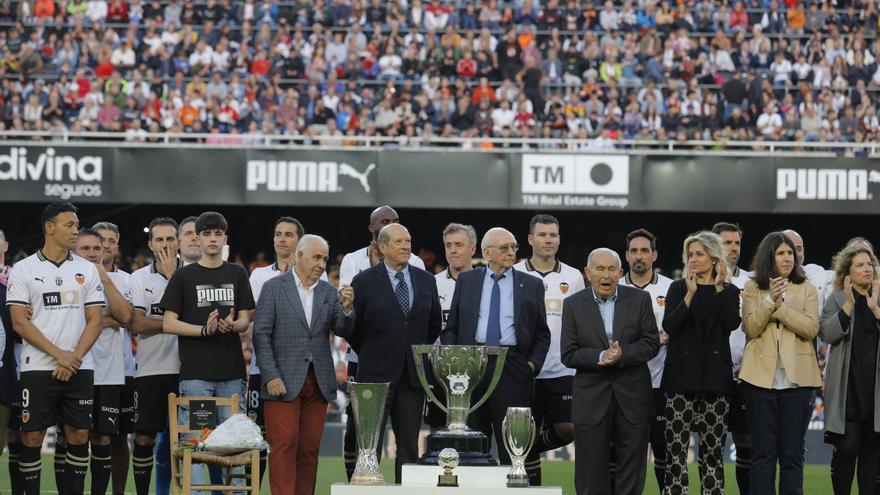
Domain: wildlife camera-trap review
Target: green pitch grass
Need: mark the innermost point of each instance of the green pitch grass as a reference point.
(817, 479)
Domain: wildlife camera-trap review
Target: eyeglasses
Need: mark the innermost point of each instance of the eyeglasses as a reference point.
(507, 247)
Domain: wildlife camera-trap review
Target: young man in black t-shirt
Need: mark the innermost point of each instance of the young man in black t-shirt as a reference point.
(207, 305)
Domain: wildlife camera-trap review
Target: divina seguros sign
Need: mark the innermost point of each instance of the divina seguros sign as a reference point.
(50, 174)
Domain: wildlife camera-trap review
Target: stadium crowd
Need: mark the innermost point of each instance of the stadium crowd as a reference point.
(326, 70)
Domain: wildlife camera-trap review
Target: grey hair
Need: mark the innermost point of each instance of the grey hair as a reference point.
(601, 250)
(107, 226)
(486, 242)
(385, 234)
(2, 235)
(458, 227)
(309, 239)
(714, 245)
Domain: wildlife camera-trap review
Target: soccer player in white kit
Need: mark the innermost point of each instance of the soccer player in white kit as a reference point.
(553, 385)
(352, 264)
(460, 245)
(119, 442)
(641, 254)
(108, 352)
(66, 299)
(737, 425)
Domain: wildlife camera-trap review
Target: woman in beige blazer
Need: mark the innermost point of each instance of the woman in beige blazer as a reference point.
(779, 371)
(850, 325)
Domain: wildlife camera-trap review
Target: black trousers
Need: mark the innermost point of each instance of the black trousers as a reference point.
(860, 445)
(778, 421)
(404, 406)
(593, 451)
(515, 389)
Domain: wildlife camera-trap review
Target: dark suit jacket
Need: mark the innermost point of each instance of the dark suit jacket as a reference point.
(381, 336)
(530, 319)
(698, 353)
(583, 339)
(285, 345)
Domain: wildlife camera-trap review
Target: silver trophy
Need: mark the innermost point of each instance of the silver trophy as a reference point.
(368, 405)
(518, 432)
(448, 460)
(458, 369)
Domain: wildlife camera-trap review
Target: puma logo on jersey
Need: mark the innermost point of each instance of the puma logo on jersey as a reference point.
(40, 280)
(148, 290)
(207, 295)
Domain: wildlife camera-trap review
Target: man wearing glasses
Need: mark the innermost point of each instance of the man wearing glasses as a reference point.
(499, 306)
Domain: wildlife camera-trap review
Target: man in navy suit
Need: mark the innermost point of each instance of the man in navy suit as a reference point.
(397, 307)
(499, 306)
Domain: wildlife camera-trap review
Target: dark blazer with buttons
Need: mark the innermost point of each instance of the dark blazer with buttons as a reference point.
(582, 341)
(698, 351)
(530, 319)
(285, 345)
(382, 336)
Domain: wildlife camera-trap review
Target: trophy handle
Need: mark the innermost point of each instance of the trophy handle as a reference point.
(504, 435)
(501, 352)
(418, 351)
(532, 436)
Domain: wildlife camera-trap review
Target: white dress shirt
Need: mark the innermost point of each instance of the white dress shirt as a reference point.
(306, 297)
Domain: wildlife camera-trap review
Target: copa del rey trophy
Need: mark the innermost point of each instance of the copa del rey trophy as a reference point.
(458, 370)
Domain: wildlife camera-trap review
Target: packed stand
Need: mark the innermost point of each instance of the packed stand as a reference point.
(600, 72)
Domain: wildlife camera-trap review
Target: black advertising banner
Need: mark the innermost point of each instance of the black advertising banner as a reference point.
(444, 180)
(311, 177)
(179, 176)
(188, 174)
(849, 185)
(49, 173)
(575, 181)
(710, 184)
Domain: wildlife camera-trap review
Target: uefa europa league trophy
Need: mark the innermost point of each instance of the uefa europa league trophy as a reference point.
(459, 369)
(368, 405)
(518, 432)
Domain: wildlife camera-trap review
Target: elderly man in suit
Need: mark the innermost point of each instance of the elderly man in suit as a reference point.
(608, 335)
(397, 307)
(499, 306)
(295, 316)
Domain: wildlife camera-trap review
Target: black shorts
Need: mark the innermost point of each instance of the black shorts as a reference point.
(151, 402)
(15, 415)
(737, 420)
(552, 402)
(105, 414)
(46, 401)
(126, 407)
(253, 404)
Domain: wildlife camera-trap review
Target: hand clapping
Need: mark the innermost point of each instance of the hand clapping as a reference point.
(611, 356)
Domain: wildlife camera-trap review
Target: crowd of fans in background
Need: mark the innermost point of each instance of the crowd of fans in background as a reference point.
(326, 70)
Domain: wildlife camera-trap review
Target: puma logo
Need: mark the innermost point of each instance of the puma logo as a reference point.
(39, 279)
(148, 290)
(349, 171)
(112, 421)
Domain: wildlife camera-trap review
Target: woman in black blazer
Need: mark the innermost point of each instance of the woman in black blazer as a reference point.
(701, 311)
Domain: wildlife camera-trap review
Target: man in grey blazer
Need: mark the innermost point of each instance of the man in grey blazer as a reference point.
(609, 334)
(295, 316)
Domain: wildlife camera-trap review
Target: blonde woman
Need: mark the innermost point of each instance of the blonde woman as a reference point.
(849, 324)
(701, 311)
(780, 371)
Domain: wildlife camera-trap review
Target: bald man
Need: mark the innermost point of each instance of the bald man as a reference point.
(499, 306)
(397, 306)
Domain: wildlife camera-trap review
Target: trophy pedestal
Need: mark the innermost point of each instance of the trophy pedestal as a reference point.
(472, 446)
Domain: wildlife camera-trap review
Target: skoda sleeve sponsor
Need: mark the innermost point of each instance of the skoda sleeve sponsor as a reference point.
(47, 172)
(574, 181)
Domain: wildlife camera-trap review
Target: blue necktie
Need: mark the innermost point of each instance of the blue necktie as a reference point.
(402, 292)
(493, 329)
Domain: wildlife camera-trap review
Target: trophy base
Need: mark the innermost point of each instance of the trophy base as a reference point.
(517, 481)
(447, 480)
(472, 447)
(364, 479)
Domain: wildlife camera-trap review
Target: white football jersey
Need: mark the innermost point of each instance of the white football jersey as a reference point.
(445, 288)
(58, 296)
(109, 349)
(156, 354)
(356, 262)
(738, 337)
(559, 283)
(658, 287)
(818, 276)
